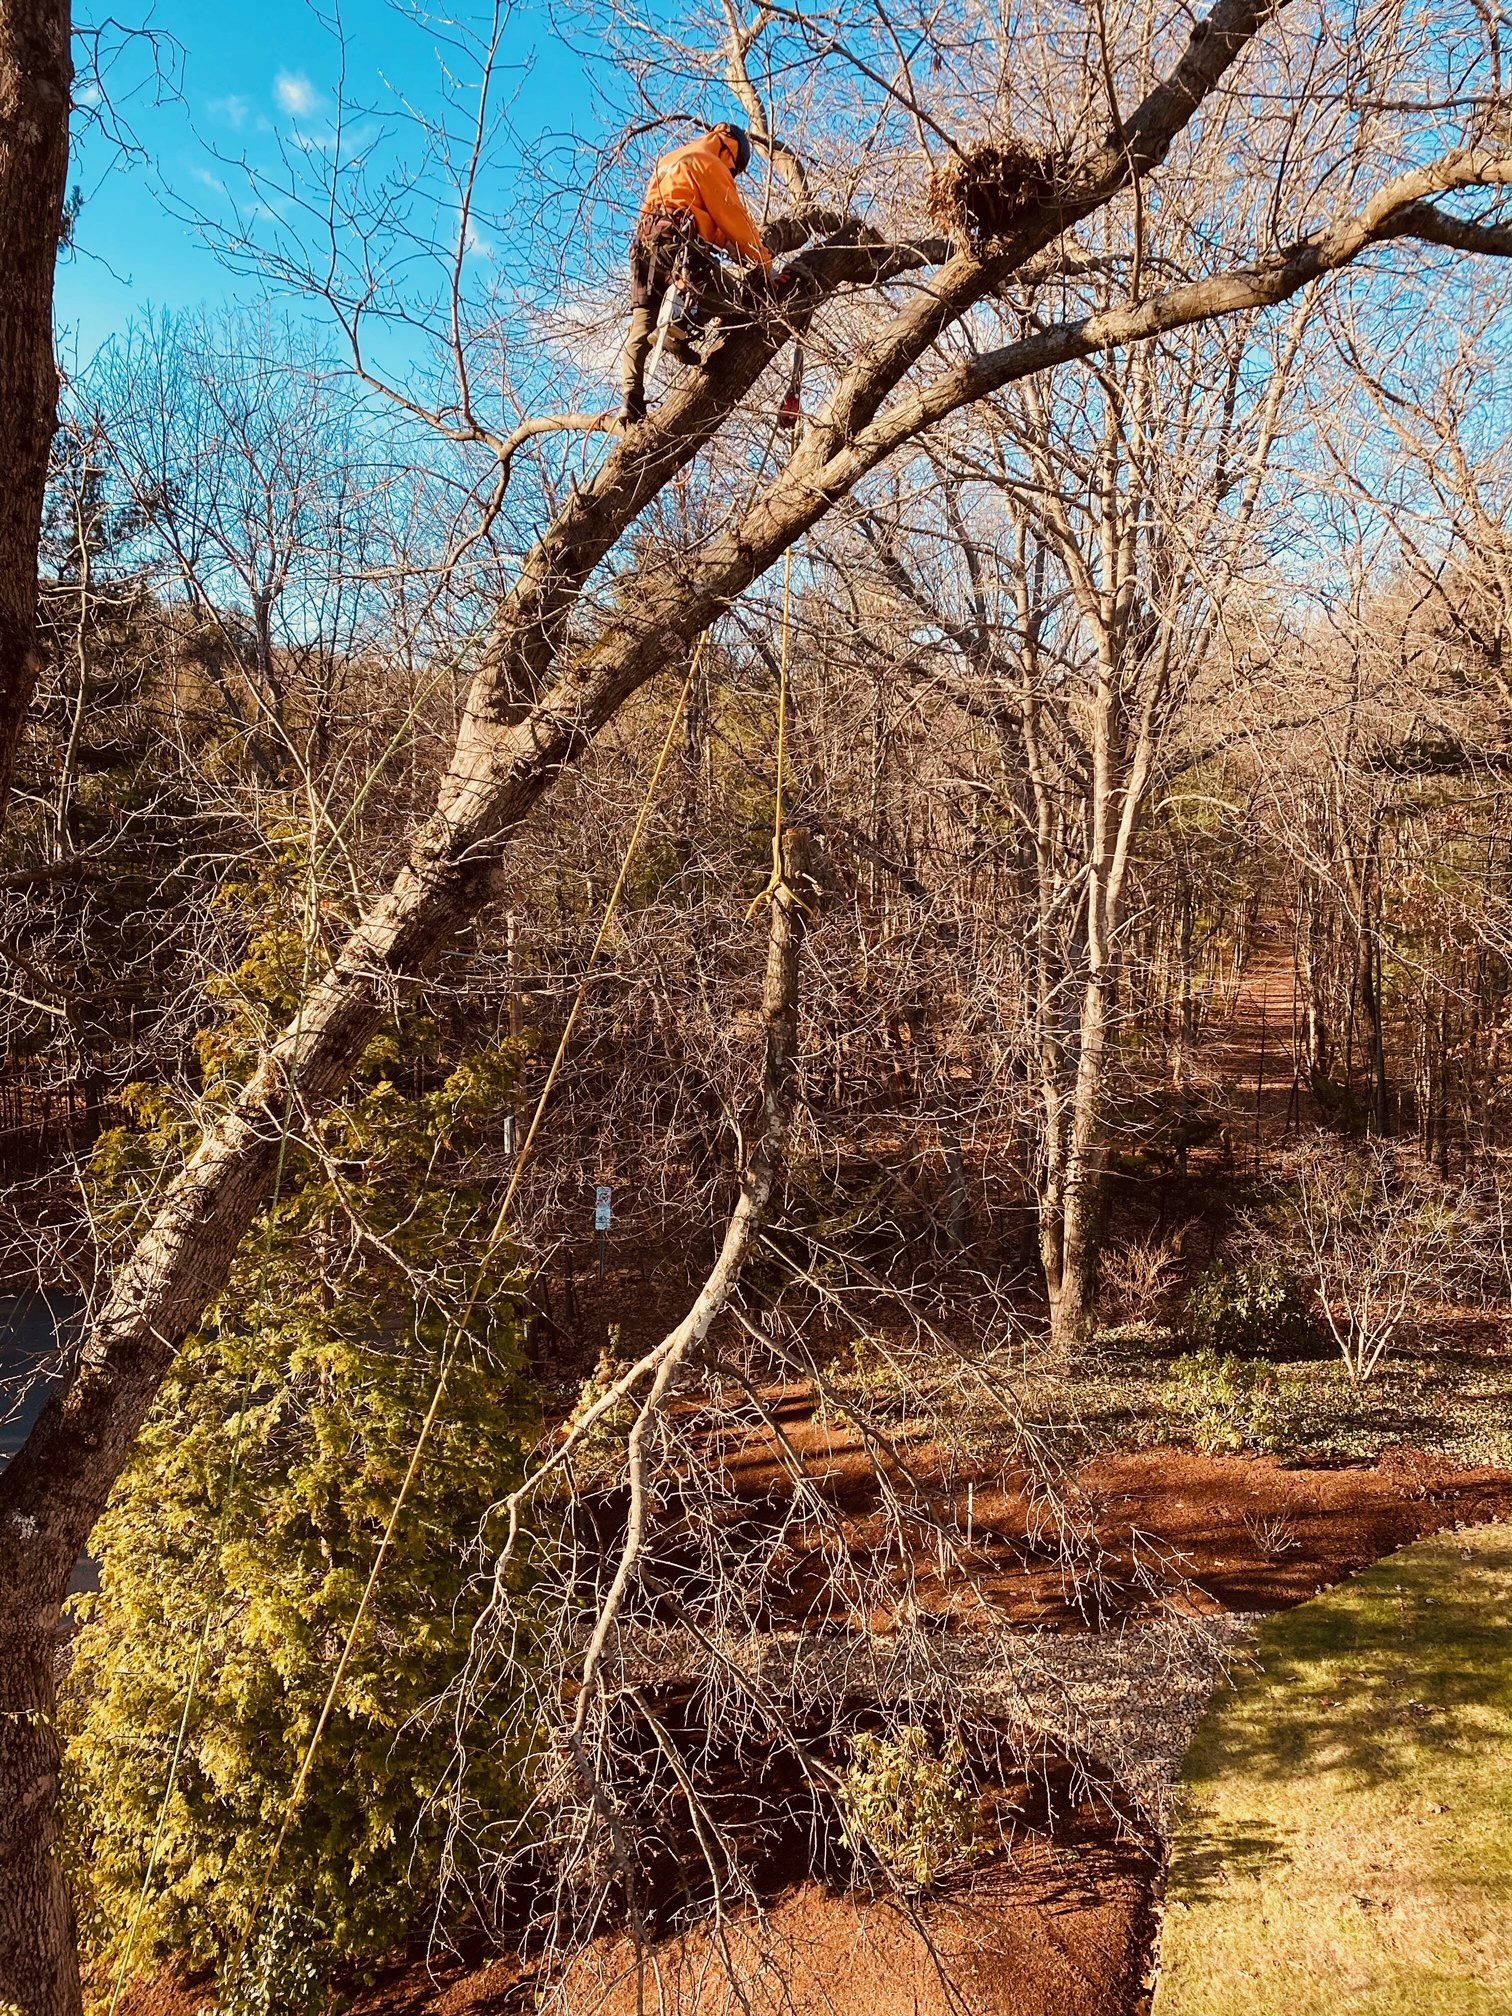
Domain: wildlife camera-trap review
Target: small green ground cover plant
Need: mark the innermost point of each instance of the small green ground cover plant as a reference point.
(910, 1808)
(1235, 1403)
(1127, 1394)
(1341, 1843)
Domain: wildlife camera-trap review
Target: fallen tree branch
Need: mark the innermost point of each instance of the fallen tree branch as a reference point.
(794, 899)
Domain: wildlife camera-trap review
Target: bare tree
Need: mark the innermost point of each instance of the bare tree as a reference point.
(1116, 494)
(1378, 1234)
(599, 604)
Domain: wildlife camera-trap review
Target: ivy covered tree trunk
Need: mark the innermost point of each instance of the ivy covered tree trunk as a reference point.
(35, 75)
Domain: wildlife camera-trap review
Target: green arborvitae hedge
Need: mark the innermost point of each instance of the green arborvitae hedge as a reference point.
(238, 1541)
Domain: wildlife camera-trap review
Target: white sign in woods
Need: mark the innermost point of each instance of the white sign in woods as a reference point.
(603, 1198)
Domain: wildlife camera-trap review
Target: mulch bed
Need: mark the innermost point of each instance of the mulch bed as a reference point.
(1176, 1528)
(1066, 1923)
(1252, 1533)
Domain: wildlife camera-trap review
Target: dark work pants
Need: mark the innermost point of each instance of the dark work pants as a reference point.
(661, 244)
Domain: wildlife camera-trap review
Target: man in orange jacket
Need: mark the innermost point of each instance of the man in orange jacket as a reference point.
(692, 210)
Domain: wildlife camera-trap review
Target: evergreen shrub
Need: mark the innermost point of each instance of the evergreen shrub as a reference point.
(1232, 1403)
(236, 1546)
(1252, 1309)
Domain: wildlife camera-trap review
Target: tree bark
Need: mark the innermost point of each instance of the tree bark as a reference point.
(38, 1971)
(1075, 1304)
(35, 76)
(36, 1920)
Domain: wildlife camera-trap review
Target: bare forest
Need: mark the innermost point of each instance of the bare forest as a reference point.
(724, 1134)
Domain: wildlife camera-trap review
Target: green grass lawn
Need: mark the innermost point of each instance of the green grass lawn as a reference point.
(1341, 1848)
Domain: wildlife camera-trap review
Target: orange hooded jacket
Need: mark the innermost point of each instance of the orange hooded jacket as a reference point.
(698, 178)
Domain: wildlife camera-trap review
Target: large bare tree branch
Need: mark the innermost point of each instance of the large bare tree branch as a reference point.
(1261, 286)
(743, 37)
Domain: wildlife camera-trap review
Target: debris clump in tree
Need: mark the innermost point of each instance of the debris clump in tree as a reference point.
(981, 192)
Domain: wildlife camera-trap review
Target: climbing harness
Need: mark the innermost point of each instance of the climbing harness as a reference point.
(659, 234)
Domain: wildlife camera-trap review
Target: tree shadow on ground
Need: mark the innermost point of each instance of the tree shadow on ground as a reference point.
(1403, 1657)
(1248, 1849)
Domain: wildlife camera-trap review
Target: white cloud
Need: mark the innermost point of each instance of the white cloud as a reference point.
(474, 241)
(295, 93)
(232, 111)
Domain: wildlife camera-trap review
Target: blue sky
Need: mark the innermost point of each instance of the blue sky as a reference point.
(244, 78)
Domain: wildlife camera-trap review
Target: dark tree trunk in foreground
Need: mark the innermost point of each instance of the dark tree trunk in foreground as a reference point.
(36, 1920)
(38, 1973)
(35, 75)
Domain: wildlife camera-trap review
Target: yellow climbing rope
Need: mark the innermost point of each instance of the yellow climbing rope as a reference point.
(459, 1330)
(778, 884)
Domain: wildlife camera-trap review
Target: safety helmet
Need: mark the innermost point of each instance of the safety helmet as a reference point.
(742, 141)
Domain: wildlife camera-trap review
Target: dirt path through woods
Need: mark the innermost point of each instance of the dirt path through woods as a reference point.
(1251, 1062)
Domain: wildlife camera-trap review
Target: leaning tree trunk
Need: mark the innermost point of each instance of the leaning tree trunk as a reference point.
(37, 1974)
(35, 75)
